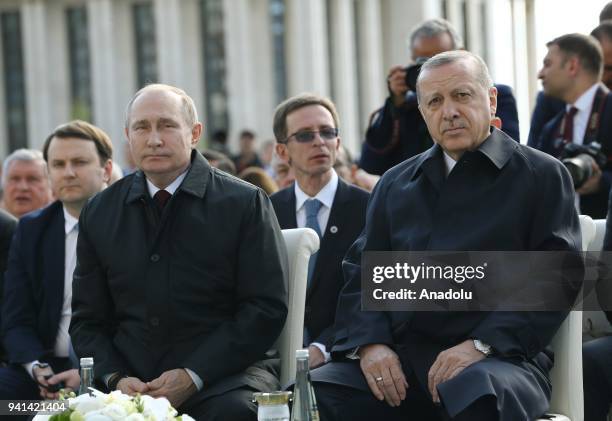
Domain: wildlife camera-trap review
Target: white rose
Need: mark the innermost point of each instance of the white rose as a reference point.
(86, 403)
(96, 416)
(135, 417)
(114, 411)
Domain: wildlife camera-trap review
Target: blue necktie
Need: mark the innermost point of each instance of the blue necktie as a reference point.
(312, 207)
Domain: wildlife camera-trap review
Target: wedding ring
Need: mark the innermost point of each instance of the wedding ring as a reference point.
(379, 379)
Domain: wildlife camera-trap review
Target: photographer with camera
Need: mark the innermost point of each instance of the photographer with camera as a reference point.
(397, 131)
(581, 134)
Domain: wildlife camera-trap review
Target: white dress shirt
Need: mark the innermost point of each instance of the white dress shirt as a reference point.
(326, 197)
(62, 341)
(583, 104)
(450, 163)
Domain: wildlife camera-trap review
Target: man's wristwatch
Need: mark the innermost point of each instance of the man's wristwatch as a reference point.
(482, 347)
(40, 365)
(114, 379)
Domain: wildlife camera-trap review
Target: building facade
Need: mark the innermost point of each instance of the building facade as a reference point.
(64, 59)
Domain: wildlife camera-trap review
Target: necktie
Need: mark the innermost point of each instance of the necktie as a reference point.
(312, 207)
(161, 198)
(568, 125)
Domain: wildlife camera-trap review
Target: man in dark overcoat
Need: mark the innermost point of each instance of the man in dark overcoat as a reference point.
(180, 285)
(476, 189)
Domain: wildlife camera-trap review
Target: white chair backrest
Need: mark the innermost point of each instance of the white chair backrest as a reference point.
(566, 375)
(600, 231)
(301, 243)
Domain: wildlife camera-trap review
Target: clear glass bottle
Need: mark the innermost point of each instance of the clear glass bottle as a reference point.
(304, 403)
(87, 375)
(273, 406)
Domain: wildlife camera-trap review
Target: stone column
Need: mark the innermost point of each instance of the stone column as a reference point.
(344, 72)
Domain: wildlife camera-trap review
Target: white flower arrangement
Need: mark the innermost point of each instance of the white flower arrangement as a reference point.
(116, 406)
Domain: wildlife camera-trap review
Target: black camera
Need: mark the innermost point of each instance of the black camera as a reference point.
(412, 72)
(578, 160)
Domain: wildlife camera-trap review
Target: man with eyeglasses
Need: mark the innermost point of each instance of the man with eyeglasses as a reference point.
(306, 131)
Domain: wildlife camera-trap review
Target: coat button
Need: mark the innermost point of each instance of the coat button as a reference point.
(154, 321)
(333, 229)
(155, 257)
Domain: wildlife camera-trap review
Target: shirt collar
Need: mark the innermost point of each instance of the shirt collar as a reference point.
(498, 147)
(585, 101)
(171, 188)
(325, 195)
(69, 221)
(450, 163)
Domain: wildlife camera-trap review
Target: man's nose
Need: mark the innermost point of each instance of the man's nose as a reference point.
(154, 139)
(69, 171)
(23, 184)
(449, 110)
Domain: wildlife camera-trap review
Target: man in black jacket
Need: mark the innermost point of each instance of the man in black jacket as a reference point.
(476, 189)
(306, 130)
(180, 285)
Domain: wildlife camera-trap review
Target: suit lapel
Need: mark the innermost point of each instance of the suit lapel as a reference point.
(286, 212)
(53, 250)
(333, 232)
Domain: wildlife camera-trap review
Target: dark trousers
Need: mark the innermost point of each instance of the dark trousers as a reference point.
(597, 368)
(235, 405)
(338, 403)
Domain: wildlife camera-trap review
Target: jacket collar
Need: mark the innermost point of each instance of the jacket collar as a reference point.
(194, 183)
(498, 147)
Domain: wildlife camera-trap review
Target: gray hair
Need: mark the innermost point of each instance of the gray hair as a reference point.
(480, 73)
(27, 155)
(433, 28)
(189, 108)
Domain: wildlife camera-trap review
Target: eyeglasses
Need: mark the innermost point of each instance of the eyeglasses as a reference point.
(306, 136)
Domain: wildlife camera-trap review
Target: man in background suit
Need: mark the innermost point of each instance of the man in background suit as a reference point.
(572, 72)
(306, 131)
(36, 309)
(8, 223)
(547, 107)
(476, 189)
(180, 286)
(397, 131)
(25, 182)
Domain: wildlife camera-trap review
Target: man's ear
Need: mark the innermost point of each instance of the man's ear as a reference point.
(196, 132)
(282, 151)
(493, 100)
(108, 170)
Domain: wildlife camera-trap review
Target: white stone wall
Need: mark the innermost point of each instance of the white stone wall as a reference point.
(339, 48)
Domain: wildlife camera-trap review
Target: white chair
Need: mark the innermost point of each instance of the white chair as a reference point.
(595, 324)
(301, 243)
(566, 376)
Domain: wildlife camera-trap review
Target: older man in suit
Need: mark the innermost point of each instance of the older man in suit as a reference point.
(306, 131)
(476, 189)
(36, 308)
(180, 285)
